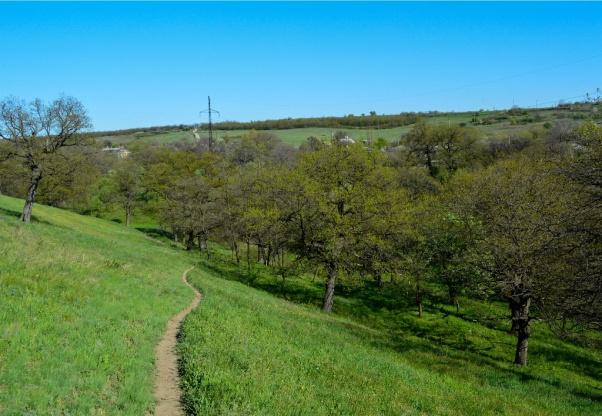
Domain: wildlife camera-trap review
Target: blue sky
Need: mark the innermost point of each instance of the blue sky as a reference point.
(143, 64)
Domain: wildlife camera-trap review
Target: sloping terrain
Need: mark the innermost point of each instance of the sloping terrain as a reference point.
(244, 351)
(83, 303)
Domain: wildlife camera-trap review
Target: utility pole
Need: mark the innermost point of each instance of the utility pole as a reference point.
(209, 112)
(210, 125)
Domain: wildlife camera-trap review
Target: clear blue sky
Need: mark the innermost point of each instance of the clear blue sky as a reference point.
(143, 64)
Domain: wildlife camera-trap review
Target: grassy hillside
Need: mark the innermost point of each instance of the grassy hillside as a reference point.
(491, 124)
(83, 303)
(246, 352)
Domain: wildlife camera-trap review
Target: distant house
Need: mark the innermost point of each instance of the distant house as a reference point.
(121, 152)
(346, 140)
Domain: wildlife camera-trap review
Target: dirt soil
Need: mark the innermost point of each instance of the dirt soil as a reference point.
(167, 381)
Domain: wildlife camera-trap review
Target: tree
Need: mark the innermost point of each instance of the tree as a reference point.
(421, 145)
(525, 208)
(69, 180)
(582, 304)
(190, 210)
(127, 187)
(450, 247)
(340, 198)
(455, 146)
(442, 149)
(37, 133)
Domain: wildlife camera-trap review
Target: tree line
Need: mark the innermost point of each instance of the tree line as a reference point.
(349, 121)
(515, 219)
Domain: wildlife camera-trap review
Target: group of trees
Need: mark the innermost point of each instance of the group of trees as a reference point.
(523, 227)
(517, 219)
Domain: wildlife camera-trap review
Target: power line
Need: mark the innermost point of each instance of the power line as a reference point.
(461, 87)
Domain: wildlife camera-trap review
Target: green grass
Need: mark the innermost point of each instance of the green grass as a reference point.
(244, 351)
(83, 303)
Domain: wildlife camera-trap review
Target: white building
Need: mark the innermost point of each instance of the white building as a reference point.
(121, 152)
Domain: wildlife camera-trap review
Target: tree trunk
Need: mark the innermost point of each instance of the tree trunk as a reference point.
(514, 313)
(128, 214)
(248, 256)
(520, 310)
(190, 241)
(379, 281)
(419, 300)
(236, 252)
(453, 298)
(203, 245)
(36, 176)
(206, 247)
(429, 163)
(330, 284)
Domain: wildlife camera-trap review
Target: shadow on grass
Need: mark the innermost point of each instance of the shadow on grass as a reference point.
(17, 214)
(290, 289)
(447, 349)
(156, 233)
(451, 358)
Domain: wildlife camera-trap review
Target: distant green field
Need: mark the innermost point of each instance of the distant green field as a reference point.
(513, 124)
(298, 136)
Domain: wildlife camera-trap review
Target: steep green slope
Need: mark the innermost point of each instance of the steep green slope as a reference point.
(83, 303)
(245, 351)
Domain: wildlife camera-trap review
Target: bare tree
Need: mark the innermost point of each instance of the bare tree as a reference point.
(37, 131)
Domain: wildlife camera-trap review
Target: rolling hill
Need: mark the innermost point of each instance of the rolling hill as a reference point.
(490, 124)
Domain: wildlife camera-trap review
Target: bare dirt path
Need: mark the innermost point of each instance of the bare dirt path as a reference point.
(167, 382)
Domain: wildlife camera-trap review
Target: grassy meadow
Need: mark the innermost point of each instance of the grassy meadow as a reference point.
(244, 351)
(83, 303)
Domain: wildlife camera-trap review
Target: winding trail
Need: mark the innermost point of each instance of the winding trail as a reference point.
(167, 386)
